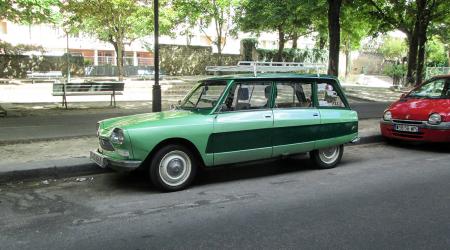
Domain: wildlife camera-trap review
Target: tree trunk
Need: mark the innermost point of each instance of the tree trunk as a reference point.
(219, 55)
(348, 62)
(421, 38)
(334, 30)
(119, 48)
(413, 40)
(281, 41)
(412, 57)
(294, 40)
(421, 53)
(448, 57)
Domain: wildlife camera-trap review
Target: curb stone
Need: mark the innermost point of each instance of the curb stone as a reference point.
(86, 167)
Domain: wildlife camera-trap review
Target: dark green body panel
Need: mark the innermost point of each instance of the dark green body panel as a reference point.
(260, 138)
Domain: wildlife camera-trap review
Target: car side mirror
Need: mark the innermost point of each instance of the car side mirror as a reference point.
(222, 107)
(403, 96)
(179, 102)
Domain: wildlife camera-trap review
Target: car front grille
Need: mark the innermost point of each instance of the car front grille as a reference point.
(106, 144)
(408, 122)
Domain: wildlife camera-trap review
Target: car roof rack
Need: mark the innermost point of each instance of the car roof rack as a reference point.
(264, 67)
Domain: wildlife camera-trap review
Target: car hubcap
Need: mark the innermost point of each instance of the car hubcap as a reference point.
(175, 168)
(329, 155)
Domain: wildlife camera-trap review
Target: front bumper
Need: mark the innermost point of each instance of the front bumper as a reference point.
(118, 165)
(426, 133)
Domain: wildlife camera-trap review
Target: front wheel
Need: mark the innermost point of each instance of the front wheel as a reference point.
(173, 168)
(327, 157)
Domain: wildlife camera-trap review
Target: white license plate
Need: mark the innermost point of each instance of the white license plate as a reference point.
(98, 159)
(406, 128)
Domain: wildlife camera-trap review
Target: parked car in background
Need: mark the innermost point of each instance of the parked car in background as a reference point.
(227, 120)
(421, 115)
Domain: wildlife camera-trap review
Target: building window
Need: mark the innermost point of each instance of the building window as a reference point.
(106, 58)
(144, 59)
(128, 58)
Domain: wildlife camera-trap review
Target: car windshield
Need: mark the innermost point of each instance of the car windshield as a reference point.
(438, 88)
(205, 96)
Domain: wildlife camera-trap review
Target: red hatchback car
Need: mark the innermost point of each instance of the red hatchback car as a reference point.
(421, 115)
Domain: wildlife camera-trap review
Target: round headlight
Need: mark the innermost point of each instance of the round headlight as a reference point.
(117, 136)
(387, 116)
(434, 119)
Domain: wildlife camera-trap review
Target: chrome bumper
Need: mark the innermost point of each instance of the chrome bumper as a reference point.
(119, 165)
(420, 124)
(356, 140)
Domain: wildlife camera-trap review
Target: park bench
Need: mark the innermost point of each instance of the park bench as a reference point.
(49, 75)
(88, 88)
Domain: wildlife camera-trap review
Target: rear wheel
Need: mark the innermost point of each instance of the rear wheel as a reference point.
(173, 168)
(327, 157)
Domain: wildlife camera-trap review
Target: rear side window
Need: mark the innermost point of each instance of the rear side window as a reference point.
(293, 95)
(328, 96)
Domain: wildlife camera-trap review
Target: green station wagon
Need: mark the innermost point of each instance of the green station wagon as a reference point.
(226, 120)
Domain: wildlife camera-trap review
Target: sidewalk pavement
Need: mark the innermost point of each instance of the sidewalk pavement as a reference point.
(57, 158)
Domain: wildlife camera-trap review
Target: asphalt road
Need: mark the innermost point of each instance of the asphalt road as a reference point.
(380, 197)
(14, 129)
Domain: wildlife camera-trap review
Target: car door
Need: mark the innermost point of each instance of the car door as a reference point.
(339, 124)
(296, 120)
(243, 124)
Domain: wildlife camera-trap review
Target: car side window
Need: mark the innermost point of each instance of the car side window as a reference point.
(328, 96)
(248, 96)
(293, 94)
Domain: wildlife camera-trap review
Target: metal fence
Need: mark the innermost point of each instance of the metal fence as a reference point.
(434, 71)
(111, 70)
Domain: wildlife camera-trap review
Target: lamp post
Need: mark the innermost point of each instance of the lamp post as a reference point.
(156, 103)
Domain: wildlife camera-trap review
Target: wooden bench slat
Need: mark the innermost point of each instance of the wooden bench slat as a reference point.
(88, 88)
(87, 93)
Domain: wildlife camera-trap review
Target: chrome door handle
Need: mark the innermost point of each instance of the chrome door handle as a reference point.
(316, 114)
(268, 116)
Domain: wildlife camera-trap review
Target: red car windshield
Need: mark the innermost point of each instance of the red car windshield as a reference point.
(437, 88)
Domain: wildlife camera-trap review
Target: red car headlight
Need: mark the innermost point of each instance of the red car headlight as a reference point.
(434, 119)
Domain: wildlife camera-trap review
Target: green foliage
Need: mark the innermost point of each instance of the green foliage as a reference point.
(28, 11)
(203, 13)
(266, 15)
(355, 26)
(248, 45)
(436, 53)
(393, 48)
(293, 55)
(173, 59)
(117, 22)
(395, 71)
(17, 65)
(9, 49)
(110, 20)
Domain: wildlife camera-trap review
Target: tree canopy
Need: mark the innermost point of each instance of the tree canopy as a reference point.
(118, 22)
(203, 13)
(28, 11)
(290, 19)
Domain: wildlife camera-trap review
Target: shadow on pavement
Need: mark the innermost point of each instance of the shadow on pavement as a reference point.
(421, 146)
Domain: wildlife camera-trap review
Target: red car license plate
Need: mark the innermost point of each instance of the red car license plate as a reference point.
(406, 128)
